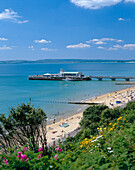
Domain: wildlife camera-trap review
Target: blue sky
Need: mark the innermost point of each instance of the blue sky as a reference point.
(61, 29)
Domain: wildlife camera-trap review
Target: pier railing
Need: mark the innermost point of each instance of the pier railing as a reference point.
(113, 78)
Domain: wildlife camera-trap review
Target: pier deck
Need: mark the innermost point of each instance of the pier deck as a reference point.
(113, 78)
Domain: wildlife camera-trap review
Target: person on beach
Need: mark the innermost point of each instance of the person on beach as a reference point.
(54, 121)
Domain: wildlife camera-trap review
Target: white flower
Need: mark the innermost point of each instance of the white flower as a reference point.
(109, 148)
(97, 138)
(90, 151)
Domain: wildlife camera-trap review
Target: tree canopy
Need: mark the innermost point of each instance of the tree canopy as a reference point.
(25, 125)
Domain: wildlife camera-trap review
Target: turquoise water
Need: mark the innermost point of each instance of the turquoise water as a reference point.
(15, 87)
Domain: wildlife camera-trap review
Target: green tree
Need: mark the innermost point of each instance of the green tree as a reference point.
(90, 121)
(130, 106)
(108, 115)
(25, 125)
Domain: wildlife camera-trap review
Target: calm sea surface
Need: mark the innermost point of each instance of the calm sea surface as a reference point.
(15, 87)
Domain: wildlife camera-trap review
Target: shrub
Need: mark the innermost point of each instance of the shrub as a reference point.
(130, 105)
(24, 125)
(110, 147)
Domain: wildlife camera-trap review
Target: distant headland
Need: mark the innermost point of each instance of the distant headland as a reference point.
(47, 61)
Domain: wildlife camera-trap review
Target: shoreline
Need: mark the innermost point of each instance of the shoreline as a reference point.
(55, 132)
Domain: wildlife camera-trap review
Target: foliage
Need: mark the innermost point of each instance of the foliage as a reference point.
(32, 161)
(24, 125)
(90, 121)
(110, 146)
(96, 116)
(130, 106)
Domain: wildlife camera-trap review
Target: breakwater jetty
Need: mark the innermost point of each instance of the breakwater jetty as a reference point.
(66, 102)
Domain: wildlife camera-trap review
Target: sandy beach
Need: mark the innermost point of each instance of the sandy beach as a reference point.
(113, 99)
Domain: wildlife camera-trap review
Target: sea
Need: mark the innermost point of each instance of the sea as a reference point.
(52, 96)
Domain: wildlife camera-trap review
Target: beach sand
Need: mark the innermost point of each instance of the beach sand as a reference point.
(55, 132)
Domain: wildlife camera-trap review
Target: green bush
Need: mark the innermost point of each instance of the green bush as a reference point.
(113, 148)
(24, 125)
(130, 106)
(110, 145)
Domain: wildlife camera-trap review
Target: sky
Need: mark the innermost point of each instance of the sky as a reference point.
(67, 29)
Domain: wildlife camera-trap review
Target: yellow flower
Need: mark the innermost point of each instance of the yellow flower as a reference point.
(111, 129)
(104, 128)
(114, 124)
(98, 128)
(119, 118)
(110, 123)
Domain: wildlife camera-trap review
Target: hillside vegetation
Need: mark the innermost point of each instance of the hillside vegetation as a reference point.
(105, 141)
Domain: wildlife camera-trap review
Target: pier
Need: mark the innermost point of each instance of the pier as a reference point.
(113, 78)
(76, 76)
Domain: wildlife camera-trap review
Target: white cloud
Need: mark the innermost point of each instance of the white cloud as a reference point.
(129, 46)
(81, 45)
(100, 47)
(111, 48)
(124, 47)
(95, 4)
(119, 40)
(31, 47)
(3, 39)
(42, 41)
(103, 40)
(4, 47)
(108, 39)
(94, 40)
(22, 22)
(100, 42)
(129, 0)
(121, 19)
(48, 49)
(10, 15)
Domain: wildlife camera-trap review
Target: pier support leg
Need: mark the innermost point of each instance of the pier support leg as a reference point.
(127, 79)
(100, 79)
(113, 79)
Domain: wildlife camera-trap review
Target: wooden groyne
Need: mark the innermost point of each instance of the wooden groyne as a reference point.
(126, 83)
(64, 102)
